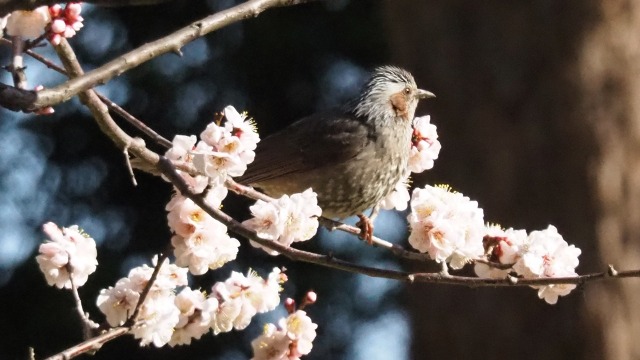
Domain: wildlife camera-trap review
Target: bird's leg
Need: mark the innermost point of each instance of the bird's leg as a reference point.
(374, 213)
(366, 228)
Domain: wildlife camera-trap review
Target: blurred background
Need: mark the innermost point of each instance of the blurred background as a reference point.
(538, 112)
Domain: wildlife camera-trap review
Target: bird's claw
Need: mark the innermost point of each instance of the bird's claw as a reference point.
(366, 228)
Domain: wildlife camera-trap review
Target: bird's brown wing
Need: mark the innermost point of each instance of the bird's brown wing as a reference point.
(309, 143)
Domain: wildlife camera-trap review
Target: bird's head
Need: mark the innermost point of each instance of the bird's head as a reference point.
(391, 92)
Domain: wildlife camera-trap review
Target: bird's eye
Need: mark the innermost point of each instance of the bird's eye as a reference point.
(407, 90)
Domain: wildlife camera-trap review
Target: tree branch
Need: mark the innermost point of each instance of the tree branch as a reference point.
(145, 292)
(87, 324)
(92, 344)
(171, 43)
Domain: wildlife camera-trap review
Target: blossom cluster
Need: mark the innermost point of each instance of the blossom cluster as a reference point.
(167, 318)
(64, 22)
(199, 241)
(540, 254)
(158, 315)
(70, 254)
(447, 225)
(450, 228)
(222, 150)
(425, 149)
(57, 21)
(290, 339)
(285, 220)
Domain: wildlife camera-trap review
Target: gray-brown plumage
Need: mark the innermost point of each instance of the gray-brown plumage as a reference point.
(352, 156)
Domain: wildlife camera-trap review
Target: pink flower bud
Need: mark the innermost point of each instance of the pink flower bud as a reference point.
(72, 10)
(58, 26)
(290, 305)
(55, 10)
(311, 298)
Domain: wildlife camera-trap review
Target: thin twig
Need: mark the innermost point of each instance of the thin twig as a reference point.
(93, 344)
(87, 324)
(17, 63)
(127, 160)
(157, 138)
(145, 292)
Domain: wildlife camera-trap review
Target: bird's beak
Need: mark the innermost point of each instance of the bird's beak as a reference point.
(424, 94)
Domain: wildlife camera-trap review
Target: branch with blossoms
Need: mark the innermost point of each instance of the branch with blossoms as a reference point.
(155, 303)
(220, 153)
(22, 100)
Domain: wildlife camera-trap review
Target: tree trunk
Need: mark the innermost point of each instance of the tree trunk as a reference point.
(538, 112)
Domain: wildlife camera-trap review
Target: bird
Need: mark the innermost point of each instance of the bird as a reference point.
(352, 156)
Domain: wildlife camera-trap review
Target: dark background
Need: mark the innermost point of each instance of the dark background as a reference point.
(535, 112)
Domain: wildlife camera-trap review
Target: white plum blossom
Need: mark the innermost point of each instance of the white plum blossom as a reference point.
(68, 249)
(398, 198)
(447, 225)
(235, 311)
(158, 315)
(180, 151)
(169, 277)
(292, 338)
(272, 344)
(266, 221)
(425, 146)
(241, 297)
(200, 242)
(502, 247)
(117, 303)
(243, 129)
(205, 249)
(285, 220)
(28, 24)
(546, 255)
(181, 148)
(301, 330)
(217, 164)
(195, 316)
